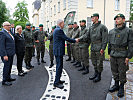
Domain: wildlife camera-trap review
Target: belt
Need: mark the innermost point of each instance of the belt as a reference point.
(95, 42)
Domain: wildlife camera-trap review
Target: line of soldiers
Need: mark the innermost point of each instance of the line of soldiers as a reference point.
(120, 49)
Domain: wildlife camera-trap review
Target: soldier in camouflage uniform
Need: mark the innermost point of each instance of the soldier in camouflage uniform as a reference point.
(120, 49)
(69, 34)
(76, 32)
(33, 31)
(98, 35)
(50, 37)
(40, 43)
(29, 44)
(84, 53)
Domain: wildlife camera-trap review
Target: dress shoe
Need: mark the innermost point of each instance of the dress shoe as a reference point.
(6, 83)
(21, 74)
(51, 65)
(69, 59)
(61, 82)
(11, 79)
(28, 67)
(24, 72)
(58, 85)
(43, 61)
(94, 76)
(31, 66)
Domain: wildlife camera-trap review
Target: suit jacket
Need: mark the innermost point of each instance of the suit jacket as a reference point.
(59, 38)
(7, 44)
(19, 43)
(12, 30)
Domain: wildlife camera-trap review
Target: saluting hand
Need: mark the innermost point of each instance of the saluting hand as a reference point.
(6, 58)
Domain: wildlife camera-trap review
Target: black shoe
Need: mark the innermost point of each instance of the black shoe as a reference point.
(31, 66)
(43, 61)
(51, 65)
(69, 59)
(81, 69)
(21, 74)
(59, 86)
(120, 93)
(61, 82)
(28, 67)
(24, 72)
(98, 78)
(73, 61)
(94, 76)
(6, 83)
(39, 63)
(86, 70)
(76, 63)
(115, 87)
(11, 79)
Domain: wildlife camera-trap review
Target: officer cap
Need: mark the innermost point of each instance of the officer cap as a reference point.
(41, 25)
(83, 21)
(75, 22)
(70, 23)
(28, 24)
(53, 27)
(95, 15)
(119, 15)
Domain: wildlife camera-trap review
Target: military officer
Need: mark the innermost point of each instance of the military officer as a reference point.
(40, 43)
(98, 34)
(120, 50)
(50, 37)
(33, 30)
(29, 44)
(69, 34)
(83, 47)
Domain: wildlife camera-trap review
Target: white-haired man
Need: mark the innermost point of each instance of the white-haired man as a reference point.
(7, 51)
(59, 50)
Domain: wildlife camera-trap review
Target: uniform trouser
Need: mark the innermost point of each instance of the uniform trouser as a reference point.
(20, 61)
(33, 51)
(119, 68)
(7, 68)
(72, 50)
(97, 60)
(69, 49)
(59, 67)
(76, 51)
(84, 56)
(51, 52)
(40, 49)
(28, 55)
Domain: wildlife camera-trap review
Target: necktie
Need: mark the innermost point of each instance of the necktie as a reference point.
(11, 35)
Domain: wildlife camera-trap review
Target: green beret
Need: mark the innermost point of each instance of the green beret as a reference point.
(70, 23)
(119, 15)
(41, 25)
(95, 15)
(83, 21)
(80, 21)
(33, 27)
(28, 24)
(53, 27)
(75, 22)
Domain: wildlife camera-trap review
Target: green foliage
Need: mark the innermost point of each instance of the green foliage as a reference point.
(20, 23)
(131, 10)
(21, 12)
(3, 12)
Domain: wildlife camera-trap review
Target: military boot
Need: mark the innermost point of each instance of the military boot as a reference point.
(94, 76)
(78, 65)
(43, 61)
(31, 65)
(86, 70)
(73, 61)
(98, 78)
(51, 64)
(27, 66)
(38, 61)
(81, 69)
(120, 93)
(115, 87)
(69, 59)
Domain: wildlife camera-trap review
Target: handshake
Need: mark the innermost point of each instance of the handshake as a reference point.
(77, 40)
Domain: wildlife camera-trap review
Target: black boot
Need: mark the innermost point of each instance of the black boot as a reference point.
(69, 59)
(79, 65)
(31, 65)
(28, 66)
(51, 64)
(76, 63)
(73, 61)
(115, 87)
(86, 70)
(81, 69)
(94, 76)
(43, 61)
(38, 61)
(120, 93)
(98, 78)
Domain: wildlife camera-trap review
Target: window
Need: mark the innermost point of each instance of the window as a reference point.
(54, 9)
(64, 4)
(90, 3)
(58, 7)
(88, 22)
(117, 4)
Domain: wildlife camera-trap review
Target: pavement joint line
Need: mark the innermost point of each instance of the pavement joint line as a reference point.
(59, 94)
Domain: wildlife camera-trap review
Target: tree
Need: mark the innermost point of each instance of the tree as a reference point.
(131, 10)
(3, 12)
(21, 12)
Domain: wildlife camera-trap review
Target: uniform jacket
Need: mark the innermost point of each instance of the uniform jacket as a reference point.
(7, 44)
(50, 37)
(69, 34)
(59, 41)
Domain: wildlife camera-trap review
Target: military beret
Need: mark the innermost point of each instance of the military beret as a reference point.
(95, 15)
(75, 22)
(53, 27)
(41, 25)
(33, 26)
(119, 15)
(83, 21)
(70, 23)
(80, 21)
(28, 24)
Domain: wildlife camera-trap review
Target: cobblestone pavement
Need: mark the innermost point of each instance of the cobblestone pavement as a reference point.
(128, 87)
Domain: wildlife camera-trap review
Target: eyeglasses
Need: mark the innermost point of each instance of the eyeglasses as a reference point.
(7, 25)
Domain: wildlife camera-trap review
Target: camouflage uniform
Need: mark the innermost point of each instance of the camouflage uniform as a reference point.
(33, 31)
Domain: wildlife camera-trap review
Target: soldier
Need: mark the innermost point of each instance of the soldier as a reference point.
(29, 44)
(76, 32)
(120, 49)
(33, 30)
(98, 35)
(69, 34)
(50, 37)
(83, 46)
(40, 43)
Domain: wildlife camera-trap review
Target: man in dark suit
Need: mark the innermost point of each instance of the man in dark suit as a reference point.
(7, 51)
(59, 50)
(12, 29)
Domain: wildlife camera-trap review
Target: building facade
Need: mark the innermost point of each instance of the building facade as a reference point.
(50, 11)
